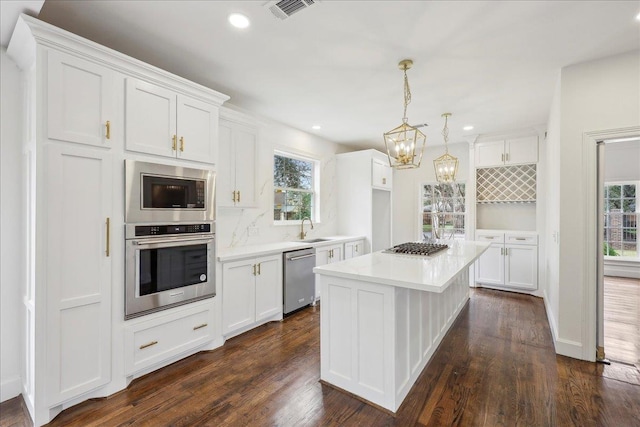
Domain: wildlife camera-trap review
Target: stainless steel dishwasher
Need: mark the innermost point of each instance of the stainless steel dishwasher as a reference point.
(299, 281)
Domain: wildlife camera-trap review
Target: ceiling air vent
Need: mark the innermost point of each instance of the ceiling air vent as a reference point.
(285, 8)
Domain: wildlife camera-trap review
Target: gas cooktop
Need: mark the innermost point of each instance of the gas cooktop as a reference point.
(417, 248)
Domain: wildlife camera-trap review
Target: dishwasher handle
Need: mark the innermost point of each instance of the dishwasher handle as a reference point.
(295, 258)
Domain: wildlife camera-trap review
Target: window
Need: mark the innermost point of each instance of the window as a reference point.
(443, 211)
(621, 219)
(294, 187)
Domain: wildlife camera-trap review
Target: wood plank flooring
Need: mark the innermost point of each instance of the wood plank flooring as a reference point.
(622, 319)
(496, 366)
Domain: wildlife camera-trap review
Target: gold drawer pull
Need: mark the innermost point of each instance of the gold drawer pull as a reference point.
(521, 238)
(143, 346)
(204, 325)
(174, 142)
(108, 125)
(182, 143)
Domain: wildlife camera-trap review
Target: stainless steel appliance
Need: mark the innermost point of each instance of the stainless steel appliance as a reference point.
(168, 265)
(163, 193)
(417, 248)
(299, 280)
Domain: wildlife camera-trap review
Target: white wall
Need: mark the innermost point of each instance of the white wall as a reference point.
(11, 239)
(232, 223)
(406, 190)
(598, 95)
(622, 161)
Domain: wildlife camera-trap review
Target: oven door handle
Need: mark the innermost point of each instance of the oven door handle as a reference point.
(176, 241)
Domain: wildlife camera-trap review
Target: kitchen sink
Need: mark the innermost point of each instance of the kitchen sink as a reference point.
(314, 240)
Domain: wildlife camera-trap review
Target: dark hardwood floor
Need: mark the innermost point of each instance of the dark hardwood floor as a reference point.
(495, 367)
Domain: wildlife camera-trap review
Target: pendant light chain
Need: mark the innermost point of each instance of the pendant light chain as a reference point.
(407, 95)
(445, 133)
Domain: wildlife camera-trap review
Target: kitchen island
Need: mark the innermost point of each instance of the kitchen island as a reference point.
(383, 315)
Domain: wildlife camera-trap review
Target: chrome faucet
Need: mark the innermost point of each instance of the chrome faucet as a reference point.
(302, 233)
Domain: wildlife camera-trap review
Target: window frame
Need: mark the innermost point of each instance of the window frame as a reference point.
(315, 185)
(464, 214)
(637, 212)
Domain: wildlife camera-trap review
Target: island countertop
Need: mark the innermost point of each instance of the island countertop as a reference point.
(431, 273)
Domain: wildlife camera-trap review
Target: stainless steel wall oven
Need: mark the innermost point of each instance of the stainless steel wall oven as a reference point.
(169, 237)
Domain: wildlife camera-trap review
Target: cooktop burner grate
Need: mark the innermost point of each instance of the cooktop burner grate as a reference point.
(417, 248)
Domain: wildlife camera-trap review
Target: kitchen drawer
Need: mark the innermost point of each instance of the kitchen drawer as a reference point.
(484, 236)
(154, 341)
(521, 239)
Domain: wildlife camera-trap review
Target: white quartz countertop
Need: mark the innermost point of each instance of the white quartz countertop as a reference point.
(241, 252)
(432, 274)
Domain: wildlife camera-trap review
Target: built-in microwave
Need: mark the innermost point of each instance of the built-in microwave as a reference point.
(159, 193)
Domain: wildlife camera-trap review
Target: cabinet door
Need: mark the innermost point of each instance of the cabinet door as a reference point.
(238, 295)
(78, 269)
(358, 248)
(226, 178)
(268, 287)
(380, 175)
(489, 154)
(490, 266)
(80, 100)
(197, 130)
(246, 164)
(521, 266)
(150, 113)
(521, 150)
(335, 253)
(349, 250)
(322, 258)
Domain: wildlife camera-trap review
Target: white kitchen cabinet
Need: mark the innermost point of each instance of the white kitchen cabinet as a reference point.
(162, 122)
(81, 100)
(364, 183)
(327, 254)
(353, 249)
(76, 239)
(381, 174)
(251, 293)
(237, 173)
(514, 151)
(149, 343)
(510, 262)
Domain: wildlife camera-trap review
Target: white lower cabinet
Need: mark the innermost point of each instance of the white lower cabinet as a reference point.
(149, 343)
(327, 255)
(353, 249)
(511, 261)
(251, 293)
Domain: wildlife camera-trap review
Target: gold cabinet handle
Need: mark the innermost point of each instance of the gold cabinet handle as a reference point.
(254, 269)
(204, 325)
(507, 156)
(108, 249)
(182, 143)
(503, 157)
(259, 264)
(143, 346)
(238, 196)
(384, 181)
(174, 142)
(234, 196)
(108, 125)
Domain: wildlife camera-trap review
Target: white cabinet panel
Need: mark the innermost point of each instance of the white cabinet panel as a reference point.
(353, 249)
(269, 287)
(238, 165)
(521, 150)
(327, 255)
(381, 175)
(162, 122)
(150, 119)
(197, 130)
(80, 101)
(489, 153)
(252, 292)
(490, 266)
(79, 201)
(521, 266)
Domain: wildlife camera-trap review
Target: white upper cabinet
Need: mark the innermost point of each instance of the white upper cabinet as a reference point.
(381, 175)
(81, 104)
(161, 122)
(515, 151)
(237, 172)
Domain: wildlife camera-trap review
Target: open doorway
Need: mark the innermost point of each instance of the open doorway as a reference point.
(619, 272)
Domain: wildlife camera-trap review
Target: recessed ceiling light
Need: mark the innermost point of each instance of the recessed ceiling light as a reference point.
(638, 17)
(468, 127)
(239, 20)
(316, 127)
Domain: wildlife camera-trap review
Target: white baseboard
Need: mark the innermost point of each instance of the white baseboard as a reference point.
(10, 388)
(563, 347)
(550, 318)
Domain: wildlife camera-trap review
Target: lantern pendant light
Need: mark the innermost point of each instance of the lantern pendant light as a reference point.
(446, 165)
(405, 143)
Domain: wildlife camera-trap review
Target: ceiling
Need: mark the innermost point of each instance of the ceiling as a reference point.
(493, 64)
